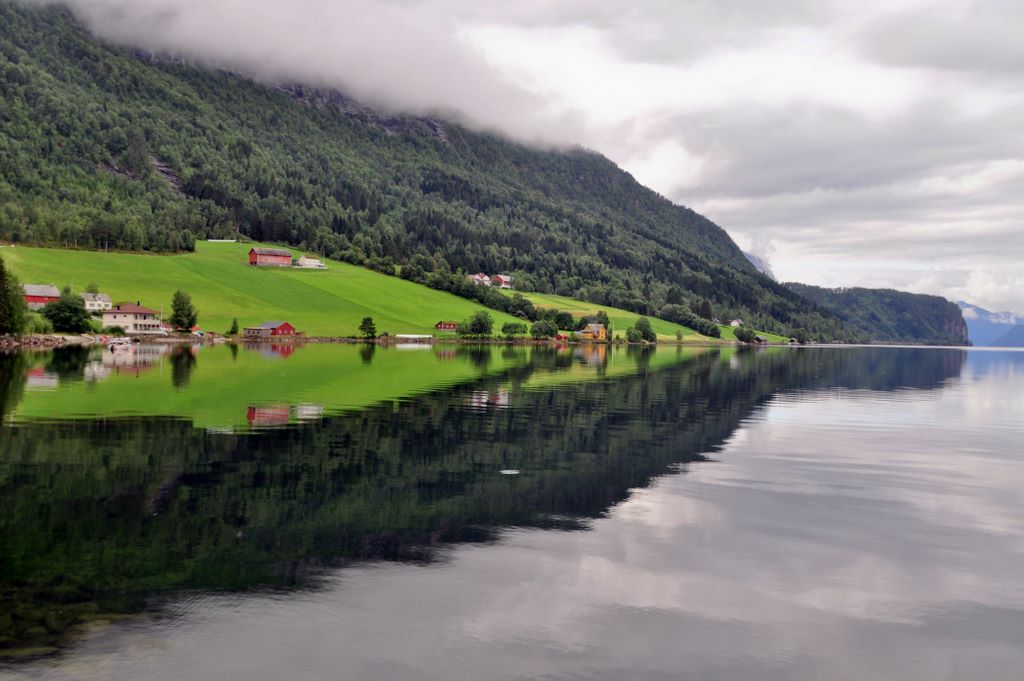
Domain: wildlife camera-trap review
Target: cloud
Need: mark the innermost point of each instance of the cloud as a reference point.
(867, 143)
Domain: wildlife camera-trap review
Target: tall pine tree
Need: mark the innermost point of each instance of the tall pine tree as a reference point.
(13, 311)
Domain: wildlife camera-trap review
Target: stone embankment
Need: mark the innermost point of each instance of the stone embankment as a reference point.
(43, 341)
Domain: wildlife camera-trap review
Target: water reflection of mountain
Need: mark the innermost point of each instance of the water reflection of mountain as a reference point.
(101, 514)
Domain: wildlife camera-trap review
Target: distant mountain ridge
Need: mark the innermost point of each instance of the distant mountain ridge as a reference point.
(993, 329)
(889, 316)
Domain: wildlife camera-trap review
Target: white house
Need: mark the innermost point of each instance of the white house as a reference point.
(310, 263)
(96, 302)
(133, 318)
(735, 323)
(479, 279)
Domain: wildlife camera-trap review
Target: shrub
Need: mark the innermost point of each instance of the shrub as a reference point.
(745, 335)
(512, 329)
(68, 315)
(479, 325)
(543, 329)
(643, 327)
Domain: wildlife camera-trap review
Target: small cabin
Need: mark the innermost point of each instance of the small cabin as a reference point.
(736, 323)
(269, 329)
(446, 325)
(270, 257)
(480, 279)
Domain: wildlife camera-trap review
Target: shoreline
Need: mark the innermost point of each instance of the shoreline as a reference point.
(51, 341)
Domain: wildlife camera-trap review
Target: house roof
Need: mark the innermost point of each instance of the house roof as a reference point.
(270, 251)
(131, 308)
(48, 290)
(594, 328)
(96, 297)
(507, 277)
(269, 325)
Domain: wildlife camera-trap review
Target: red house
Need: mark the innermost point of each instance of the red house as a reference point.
(273, 415)
(270, 257)
(38, 295)
(446, 326)
(501, 281)
(267, 329)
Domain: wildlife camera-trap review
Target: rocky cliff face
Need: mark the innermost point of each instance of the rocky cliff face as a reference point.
(332, 99)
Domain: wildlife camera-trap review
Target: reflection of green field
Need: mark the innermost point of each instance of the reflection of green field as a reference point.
(221, 388)
(623, 319)
(621, 361)
(320, 302)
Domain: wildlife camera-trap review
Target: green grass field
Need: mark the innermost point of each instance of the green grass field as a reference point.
(623, 319)
(328, 302)
(223, 286)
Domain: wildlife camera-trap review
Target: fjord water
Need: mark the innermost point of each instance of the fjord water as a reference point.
(336, 512)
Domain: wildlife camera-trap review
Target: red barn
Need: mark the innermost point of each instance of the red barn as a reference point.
(270, 257)
(267, 329)
(446, 326)
(38, 295)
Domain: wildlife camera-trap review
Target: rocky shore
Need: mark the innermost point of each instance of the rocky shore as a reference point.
(44, 341)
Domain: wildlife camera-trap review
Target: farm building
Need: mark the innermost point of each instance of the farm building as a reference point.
(480, 279)
(270, 257)
(446, 325)
(133, 318)
(594, 332)
(96, 302)
(736, 323)
(38, 295)
(269, 329)
(501, 281)
(307, 263)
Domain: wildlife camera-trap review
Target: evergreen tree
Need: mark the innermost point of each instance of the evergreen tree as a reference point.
(233, 331)
(368, 328)
(183, 315)
(13, 311)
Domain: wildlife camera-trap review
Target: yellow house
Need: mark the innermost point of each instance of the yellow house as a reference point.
(594, 332)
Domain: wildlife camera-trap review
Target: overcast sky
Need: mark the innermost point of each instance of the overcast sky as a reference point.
(873, 143)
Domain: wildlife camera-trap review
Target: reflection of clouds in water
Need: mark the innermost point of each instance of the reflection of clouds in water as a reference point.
(841, 535)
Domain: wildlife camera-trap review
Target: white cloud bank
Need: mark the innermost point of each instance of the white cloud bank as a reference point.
(874, 143)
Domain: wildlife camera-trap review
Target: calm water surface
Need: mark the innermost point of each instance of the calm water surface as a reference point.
(336, 512)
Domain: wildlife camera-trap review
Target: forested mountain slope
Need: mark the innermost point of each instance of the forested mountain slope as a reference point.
(889, 316)
(104, 147)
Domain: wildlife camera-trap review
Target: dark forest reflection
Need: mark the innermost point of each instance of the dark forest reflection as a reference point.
(101, 514)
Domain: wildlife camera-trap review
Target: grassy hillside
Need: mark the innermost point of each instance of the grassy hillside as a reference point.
(223, 286)
(104, 147)
(622, 319)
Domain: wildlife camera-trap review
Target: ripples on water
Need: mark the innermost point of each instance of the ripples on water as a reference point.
(796, 514)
